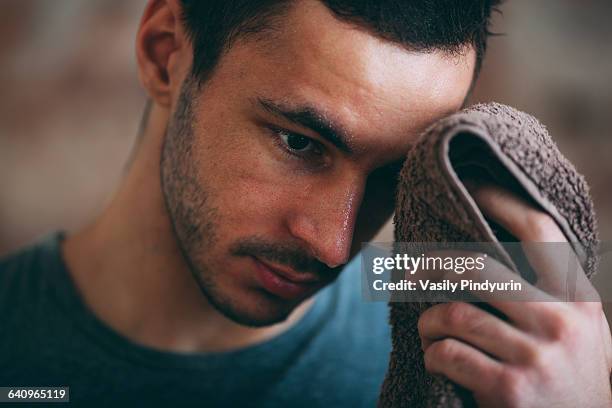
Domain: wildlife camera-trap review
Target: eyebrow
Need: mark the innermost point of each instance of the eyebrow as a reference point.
(310, 117)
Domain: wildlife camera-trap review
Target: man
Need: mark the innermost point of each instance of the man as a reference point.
(217, 275)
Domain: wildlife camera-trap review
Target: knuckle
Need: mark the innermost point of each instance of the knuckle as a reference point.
(443, 350)
(456, 314)
(533, 355)
(561, 326)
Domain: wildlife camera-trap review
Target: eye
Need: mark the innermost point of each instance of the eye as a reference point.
(296, 143)
(306, 150)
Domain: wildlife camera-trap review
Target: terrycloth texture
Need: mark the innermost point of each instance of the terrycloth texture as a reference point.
(510, 148)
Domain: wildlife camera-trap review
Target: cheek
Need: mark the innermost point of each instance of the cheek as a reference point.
(251, 190)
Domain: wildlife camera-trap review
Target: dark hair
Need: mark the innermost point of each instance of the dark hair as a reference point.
(421, 25)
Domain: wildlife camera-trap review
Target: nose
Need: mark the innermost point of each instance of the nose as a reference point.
(326, 224)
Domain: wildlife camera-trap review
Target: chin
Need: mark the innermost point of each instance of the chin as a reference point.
(251, 320)
(254, 309)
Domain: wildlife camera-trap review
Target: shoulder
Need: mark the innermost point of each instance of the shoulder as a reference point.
(14, 265)
(22, 271)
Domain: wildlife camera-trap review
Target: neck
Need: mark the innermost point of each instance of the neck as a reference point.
(130, 272)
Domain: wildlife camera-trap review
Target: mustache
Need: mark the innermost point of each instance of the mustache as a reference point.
(292, 256)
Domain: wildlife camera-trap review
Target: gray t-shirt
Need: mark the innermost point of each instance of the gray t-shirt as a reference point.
(335, 356)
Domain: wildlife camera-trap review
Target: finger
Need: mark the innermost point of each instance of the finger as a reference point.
(462, 364)
(558, 269)
(529, 308)
(492, 272)
(476, 327)
(521, 218)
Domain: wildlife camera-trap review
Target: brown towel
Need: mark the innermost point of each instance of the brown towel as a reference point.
(503, 145)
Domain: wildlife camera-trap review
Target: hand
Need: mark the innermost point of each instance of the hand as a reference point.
(545, 354)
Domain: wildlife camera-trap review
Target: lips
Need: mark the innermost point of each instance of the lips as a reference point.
(285, 283)
(291, 275)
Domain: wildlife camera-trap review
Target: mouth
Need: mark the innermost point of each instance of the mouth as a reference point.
(285, 283)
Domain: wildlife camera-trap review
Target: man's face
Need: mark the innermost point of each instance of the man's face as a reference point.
(278, 169)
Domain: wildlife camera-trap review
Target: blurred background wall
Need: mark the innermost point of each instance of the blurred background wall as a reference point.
(71, 101)
(69, 111)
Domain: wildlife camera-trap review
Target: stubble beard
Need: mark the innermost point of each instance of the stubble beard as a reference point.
(194, 220)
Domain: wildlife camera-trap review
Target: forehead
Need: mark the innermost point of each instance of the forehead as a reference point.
(379, 91)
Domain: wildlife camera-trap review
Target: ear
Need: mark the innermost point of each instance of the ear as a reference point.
(163, 51)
